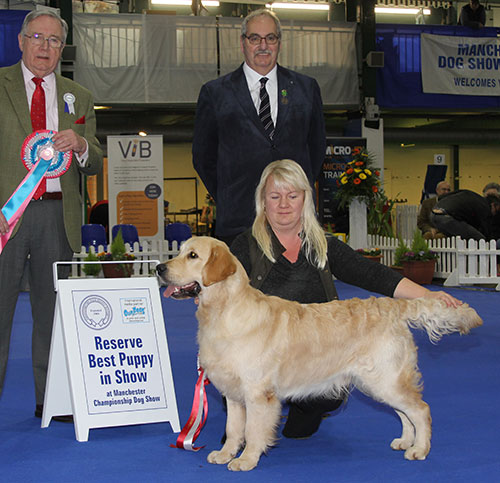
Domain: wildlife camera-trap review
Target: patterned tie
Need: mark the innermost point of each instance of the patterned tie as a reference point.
(38, 122)
(265, 108)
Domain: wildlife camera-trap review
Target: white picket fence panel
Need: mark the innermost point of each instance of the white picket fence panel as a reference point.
(406, 220)
(460, 262)
(144, 252)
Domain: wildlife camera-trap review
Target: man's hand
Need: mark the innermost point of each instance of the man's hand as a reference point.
(68, 140)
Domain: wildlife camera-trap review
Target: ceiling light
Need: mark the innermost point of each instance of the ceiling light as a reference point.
(402, 11)
(143, 133)
(300, 6)
(185, 3)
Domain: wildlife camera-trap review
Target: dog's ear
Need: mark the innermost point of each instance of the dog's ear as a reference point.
(219, 266)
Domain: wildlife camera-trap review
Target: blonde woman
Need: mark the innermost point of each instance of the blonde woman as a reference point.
(286, 253)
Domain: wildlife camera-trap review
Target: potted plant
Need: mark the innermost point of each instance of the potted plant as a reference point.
(401, 249)
(374, 254)
(92, 269)
(419, 262)
(117, 253)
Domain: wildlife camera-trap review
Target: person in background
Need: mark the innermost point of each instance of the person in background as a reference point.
(50, 229)
(494, 189)
(466, 214)
(491, 189)
(428, 230)
(473, 15)
(286, 253)
(252, 116)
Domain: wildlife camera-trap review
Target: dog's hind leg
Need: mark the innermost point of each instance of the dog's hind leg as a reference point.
(400, 390)
(263, 413)
(407, 436)
(235, 433)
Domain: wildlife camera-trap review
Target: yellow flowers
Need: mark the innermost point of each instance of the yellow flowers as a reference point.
(359, 180)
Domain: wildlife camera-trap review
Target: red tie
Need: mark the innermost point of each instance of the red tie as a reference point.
(38, 122)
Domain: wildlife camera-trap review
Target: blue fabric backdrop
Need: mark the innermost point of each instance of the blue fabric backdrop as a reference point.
(399, 82)
(10, 25)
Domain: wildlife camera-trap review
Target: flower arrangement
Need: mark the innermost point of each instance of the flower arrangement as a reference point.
(369, 252)
(360, 180)
(419, 250)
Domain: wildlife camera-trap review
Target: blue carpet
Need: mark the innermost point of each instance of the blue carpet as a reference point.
(462, 383)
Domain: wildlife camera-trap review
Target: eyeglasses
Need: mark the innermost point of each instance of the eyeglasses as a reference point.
(39, 39)
(256, 39)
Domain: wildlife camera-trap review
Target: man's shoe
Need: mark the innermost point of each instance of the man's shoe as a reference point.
(68, 418)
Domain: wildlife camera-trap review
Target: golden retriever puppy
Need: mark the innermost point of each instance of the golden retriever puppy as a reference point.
(258, 350)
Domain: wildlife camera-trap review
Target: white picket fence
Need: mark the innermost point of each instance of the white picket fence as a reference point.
(145, 254)
(460, 262)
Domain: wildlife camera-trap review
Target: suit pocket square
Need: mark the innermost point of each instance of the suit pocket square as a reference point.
(81, 120)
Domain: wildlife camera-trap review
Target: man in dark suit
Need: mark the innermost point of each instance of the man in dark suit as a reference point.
(232, 144)
(50, 228)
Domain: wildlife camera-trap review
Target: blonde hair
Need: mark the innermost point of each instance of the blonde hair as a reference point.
(288, 173)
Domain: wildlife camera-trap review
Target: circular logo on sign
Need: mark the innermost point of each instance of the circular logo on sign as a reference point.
(152, 191)
(96, 312)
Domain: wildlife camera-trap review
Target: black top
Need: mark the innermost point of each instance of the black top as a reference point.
(469, 207)
(300, 281)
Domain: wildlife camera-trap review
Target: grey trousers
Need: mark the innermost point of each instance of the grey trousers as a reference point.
(40, 241)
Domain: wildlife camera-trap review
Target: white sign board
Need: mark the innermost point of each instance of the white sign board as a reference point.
(460, 65)
(135, 184)
(109, 363)
(440, 159)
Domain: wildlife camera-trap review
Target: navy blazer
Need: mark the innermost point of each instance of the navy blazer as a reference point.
(231, 148)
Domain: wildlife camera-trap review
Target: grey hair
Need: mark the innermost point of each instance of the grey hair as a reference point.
(258, 13)
(34, 14)
(290, 174)
(491, 186)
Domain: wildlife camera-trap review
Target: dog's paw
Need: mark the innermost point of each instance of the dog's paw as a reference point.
(220, 457)
(415, 453)
(399, 444)
(242, 464)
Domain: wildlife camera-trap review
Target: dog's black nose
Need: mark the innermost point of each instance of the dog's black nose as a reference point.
(161, 268)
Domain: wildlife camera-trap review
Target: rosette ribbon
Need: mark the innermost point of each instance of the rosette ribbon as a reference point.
(16, 204)
(197, 418)
(41, 160)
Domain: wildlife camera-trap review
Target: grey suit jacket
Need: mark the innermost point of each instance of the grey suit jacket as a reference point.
(15, 126)
(231, 148)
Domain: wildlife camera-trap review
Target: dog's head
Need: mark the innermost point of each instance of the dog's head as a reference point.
(202, 262)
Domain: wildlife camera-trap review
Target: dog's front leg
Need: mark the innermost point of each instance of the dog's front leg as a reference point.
(263, 413)
(235, 433)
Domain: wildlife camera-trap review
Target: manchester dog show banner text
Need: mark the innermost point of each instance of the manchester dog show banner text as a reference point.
(460, 65)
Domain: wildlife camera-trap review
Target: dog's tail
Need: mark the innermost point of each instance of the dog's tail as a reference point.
(437, 319)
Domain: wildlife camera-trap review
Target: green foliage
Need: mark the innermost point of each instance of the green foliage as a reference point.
(118, 247)
(91, 269)
(379, 215)
(419, 249)
(401, 249)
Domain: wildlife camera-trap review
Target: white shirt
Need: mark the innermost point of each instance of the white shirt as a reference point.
(253, 81)
(51, 113)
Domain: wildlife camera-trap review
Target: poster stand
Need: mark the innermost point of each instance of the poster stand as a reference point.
(109, 363)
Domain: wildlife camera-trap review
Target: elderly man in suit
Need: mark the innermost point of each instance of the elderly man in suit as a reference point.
(248, 118)
(50, 228)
